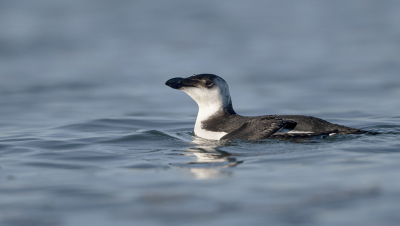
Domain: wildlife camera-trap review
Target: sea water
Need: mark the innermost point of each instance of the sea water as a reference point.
(90, 135)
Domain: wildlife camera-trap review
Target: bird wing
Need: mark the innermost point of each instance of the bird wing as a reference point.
(259, 128)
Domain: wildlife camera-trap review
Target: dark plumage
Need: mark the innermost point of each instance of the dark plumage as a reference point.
(217, 120)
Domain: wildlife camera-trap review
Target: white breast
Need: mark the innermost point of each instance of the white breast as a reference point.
(207, 134)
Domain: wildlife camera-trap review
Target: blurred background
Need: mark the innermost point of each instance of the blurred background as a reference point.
(71, 60)
(90, 135)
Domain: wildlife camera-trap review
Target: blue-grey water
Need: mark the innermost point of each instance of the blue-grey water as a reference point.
(90, 135)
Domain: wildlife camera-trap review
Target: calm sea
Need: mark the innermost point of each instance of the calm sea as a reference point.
(90, 135)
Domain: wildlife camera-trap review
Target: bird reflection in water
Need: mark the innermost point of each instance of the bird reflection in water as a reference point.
(209, 162)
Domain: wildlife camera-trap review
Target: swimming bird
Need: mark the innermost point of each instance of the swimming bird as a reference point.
(216, 119)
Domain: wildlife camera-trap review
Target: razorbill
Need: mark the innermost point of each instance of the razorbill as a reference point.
(216, 119)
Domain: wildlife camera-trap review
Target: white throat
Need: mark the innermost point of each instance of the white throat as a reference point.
(210, 101)
(203, 114)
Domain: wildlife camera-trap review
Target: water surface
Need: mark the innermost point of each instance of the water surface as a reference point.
(90, 135)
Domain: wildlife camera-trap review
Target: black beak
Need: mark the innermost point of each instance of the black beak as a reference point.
(175, 83)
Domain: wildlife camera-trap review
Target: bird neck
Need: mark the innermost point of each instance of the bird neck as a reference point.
(207, 111)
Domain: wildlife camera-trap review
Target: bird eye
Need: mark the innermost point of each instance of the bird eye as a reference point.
(209, 83)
